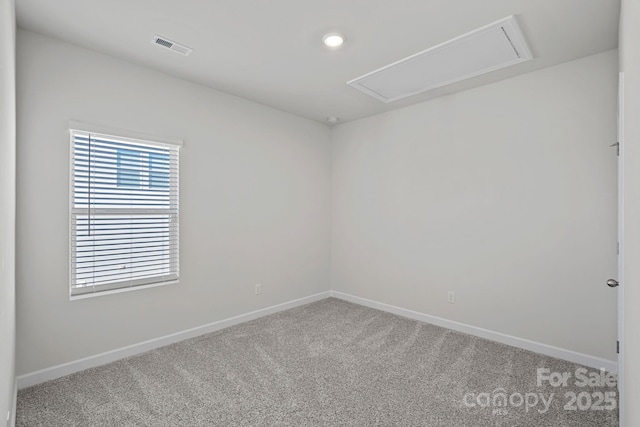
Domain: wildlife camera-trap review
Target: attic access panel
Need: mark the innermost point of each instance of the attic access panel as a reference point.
(497, 45)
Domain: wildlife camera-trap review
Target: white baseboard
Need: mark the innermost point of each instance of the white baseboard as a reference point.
(547, 350)
(58, 371)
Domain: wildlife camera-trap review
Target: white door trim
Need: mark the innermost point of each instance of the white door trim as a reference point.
(620, 278)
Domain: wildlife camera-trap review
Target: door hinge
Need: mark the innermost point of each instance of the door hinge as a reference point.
(617, 347)
(617, 145)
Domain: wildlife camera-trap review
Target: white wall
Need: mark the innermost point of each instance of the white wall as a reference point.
(255, 195)
(7, 205)
(505, 194)
(630, 341)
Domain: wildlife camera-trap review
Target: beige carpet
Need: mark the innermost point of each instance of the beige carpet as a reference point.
(330, 363)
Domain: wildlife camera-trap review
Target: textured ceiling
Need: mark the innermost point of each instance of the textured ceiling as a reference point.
(270, 51)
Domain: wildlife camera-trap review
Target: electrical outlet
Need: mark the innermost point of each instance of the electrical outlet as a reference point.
(258, 289)
(451, 297)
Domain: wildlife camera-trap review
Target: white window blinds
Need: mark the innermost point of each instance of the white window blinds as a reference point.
(124, 212)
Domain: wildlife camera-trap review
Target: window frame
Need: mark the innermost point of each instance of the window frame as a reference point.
(122, 136)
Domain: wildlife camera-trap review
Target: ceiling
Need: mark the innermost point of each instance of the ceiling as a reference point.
(270, 51)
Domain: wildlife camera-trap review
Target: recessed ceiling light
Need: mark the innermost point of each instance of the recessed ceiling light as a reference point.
(333, 39)
(333, 119)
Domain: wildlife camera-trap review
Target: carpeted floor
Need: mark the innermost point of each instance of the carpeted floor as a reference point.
(330, 363)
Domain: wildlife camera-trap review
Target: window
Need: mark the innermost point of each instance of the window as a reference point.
(128, 169)
(124, 212)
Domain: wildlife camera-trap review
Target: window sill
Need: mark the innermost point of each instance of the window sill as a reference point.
(121, 290)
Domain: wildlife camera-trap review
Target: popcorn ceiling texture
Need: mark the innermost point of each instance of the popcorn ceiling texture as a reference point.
(329, 363)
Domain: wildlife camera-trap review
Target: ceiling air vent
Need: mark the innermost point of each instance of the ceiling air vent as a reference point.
(486, 49)
(171, 45)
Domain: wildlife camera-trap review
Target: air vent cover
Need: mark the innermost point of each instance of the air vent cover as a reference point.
(486, 49)
(171, 45)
